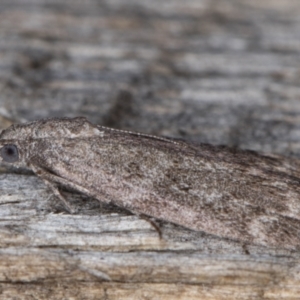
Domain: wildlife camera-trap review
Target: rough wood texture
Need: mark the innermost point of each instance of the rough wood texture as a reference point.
(218, 71)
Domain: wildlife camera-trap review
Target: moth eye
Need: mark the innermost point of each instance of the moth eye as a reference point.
(9, 153)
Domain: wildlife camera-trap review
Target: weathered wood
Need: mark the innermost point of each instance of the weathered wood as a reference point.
(223, 71)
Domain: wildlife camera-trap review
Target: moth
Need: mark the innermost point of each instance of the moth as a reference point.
(235, 194)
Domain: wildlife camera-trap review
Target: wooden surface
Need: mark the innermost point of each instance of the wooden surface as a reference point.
(217, 71)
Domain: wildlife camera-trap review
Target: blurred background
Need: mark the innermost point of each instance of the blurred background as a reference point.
(216, 71)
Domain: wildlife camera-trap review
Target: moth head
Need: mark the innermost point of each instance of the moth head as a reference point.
(12, 140)
(9, 153)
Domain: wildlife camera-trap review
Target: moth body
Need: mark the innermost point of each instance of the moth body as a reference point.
(231, 193)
